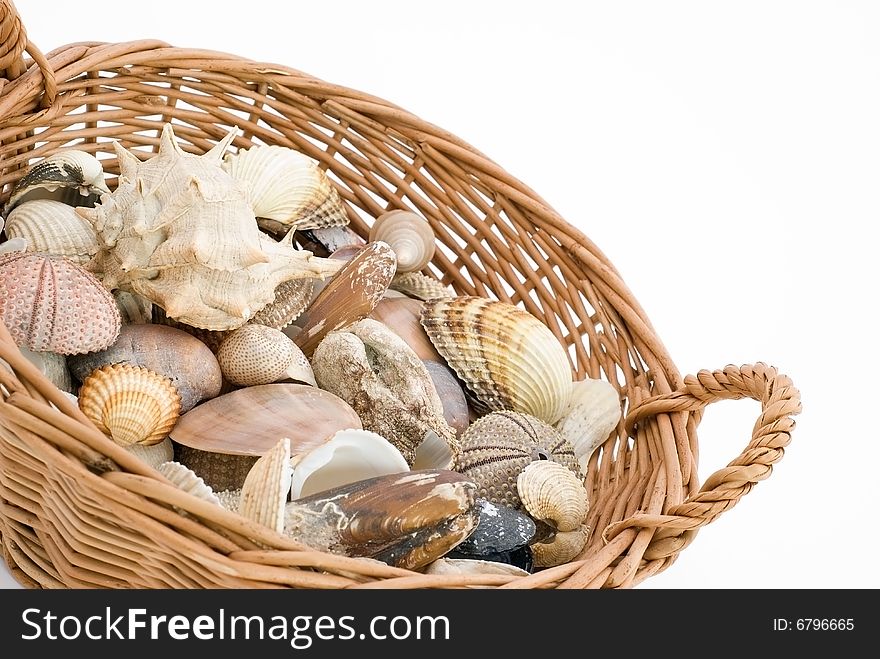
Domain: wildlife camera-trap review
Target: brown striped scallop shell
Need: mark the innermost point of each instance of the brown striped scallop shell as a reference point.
(131, 404)
(496, 448)
(507, 357)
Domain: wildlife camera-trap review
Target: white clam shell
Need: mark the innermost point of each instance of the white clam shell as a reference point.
(592, 413)
(187, 480)
(55, 228)
(154, 455)
(471, 566)
(349, 456)
(72, 176)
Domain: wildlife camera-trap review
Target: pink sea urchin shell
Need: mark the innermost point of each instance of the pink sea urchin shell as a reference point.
(50, 304)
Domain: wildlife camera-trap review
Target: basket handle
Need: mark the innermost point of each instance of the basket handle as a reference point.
(779, 399)
(14, 42)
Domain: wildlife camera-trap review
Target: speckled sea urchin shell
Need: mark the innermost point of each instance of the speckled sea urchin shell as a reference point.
(507, 357)
(131, 404)
(51, 304)
(497, 447)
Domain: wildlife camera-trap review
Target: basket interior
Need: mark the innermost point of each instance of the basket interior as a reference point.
(496, 238)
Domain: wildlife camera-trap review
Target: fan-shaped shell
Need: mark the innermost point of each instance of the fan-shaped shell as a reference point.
(409, 235)
(257, 354)
(507, 357)
(51, 304)
(286, 188)
(265, 490)
(131, 404)
(420, 286)
(551, 493)
(73, 177)
(53, 227)
(497, 447)
(592, 413)
(187, 480)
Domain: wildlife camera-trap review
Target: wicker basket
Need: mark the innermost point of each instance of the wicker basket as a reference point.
(78, 511)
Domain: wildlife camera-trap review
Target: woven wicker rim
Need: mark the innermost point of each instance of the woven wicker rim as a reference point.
(78, 511)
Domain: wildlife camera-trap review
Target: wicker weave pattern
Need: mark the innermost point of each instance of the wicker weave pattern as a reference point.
(75, 510)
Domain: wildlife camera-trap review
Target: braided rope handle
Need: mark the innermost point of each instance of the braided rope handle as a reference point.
(14, 42)
(779, 399)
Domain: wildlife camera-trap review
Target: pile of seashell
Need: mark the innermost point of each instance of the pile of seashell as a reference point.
(266, 378)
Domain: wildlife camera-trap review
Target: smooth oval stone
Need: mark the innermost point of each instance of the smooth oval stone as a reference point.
(500, 529)
(168, 351)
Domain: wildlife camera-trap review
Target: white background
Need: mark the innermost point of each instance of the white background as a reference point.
(724, 156)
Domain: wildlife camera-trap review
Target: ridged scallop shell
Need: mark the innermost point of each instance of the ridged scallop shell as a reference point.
(409, 235)
(131, 404)
(420, 286)
(551, 493)
(286, 188)
(257, 354)
(74, 177)
(508, 358)
(266, 488)
(291, 299)
(349, 456)
(497, 447)
(53, 227)
(179, 231)
(592, 413)
(187, 480)
(564, 547)
(51, 304)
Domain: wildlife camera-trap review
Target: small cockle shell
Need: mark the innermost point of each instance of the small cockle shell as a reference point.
(409, 235)
(172, 353)
(51, 304)
(187, 480)
(286, 188)
(406, 520)
(53, 227)
(73, 177)
(420, 286)
(562, 548)
(131, 404)
(507, 357)
(256, 354)
(267, 486)
(351, 294)
(375, 372)
(552, 494)
(592, 413)
(350, 455)
(497, 447)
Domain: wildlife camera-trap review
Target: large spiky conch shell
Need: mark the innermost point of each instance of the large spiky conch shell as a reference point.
(179, 231)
